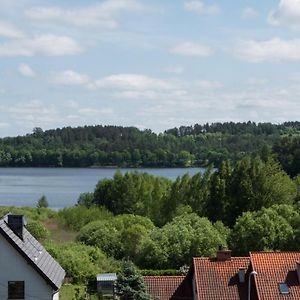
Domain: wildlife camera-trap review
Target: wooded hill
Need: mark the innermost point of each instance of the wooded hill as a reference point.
(198, 145)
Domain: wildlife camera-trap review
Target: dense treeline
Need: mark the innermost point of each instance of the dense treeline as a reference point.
(197, 145)
(252, 205)
(222, 194)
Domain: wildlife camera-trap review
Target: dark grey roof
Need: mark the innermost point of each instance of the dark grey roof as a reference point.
(35, 254)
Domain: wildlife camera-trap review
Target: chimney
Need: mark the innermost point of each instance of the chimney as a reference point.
(242, 272)
(298, 270)
(223, 255)
(16, 224)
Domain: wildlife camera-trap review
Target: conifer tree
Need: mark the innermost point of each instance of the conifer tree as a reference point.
(130, 283)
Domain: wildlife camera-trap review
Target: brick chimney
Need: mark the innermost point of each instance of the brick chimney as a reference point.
(16, 224)
(223, 255)
(298, 270)
(242, 272)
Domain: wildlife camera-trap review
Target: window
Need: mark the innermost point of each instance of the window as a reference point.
(16, 290)
(283, 288)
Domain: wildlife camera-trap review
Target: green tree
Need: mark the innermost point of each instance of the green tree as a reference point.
(261, 231)
(42, 202)
(255, 184)
(130, 283)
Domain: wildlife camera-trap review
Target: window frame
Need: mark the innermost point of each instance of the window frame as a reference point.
(18, 289)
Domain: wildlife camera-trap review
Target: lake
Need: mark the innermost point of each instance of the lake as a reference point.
(62, 186)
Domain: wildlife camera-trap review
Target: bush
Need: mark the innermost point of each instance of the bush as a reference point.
(81, 262)
(78, 216)
(38, 230)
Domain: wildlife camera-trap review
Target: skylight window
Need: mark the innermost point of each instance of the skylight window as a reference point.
(284, 289)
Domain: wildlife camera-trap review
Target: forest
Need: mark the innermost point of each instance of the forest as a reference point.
(186, 146)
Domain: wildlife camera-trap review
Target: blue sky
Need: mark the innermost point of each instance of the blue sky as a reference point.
(151, 64)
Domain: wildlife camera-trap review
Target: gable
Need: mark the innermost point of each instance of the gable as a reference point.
(34, 254)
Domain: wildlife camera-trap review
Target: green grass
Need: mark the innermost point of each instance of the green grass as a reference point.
(68, 292)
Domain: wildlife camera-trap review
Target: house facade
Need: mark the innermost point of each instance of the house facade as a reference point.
(28, 271)
(261, 276)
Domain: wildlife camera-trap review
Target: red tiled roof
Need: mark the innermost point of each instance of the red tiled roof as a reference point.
(164, 287)
(218, 280)
(273, 268)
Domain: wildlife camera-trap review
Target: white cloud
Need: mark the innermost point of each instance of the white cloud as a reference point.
(89, 112)
(286, 13)
(26, 70)
(249, 12)
(103, 14)
(192, 49)
(132, 82)
(32, 113)
(115, 81)
(47, 44)
(274, 50)
(201, 8)
(10, 31)
(70, 77)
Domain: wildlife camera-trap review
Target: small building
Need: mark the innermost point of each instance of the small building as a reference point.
(106, 285)
(28, 271)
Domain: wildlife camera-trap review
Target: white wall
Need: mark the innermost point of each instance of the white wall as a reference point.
(56, 296)
(15, 268)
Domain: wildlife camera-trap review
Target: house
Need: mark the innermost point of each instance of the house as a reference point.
(278, 274)
(28, 271)
(261, 276)
(222, 277)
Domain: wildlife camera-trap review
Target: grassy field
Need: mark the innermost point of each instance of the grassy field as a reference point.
(74, 292)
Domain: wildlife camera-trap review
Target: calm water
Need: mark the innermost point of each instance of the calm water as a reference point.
(24, 186)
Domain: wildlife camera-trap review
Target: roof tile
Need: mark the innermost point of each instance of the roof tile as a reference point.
(218, 280)
(273, 268)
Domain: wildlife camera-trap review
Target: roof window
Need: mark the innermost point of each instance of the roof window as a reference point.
(284, 289)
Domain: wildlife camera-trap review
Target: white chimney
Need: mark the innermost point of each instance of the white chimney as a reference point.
(242, 272)
(298, 270)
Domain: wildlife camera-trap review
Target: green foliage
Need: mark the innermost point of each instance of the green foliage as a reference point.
(222, 194)
(78, 216)
(177, 242)
(133, 193)
(38, 230)
(118, 237)
(86, 199)
(31, 213)
(81, 262)
(268, 229)
(167, 272)
(42, 202)
(130, 283)
(198, 145)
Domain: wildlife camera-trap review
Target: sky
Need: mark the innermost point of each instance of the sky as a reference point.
(151, 64)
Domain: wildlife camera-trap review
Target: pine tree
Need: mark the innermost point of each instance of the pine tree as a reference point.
(130, 283)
